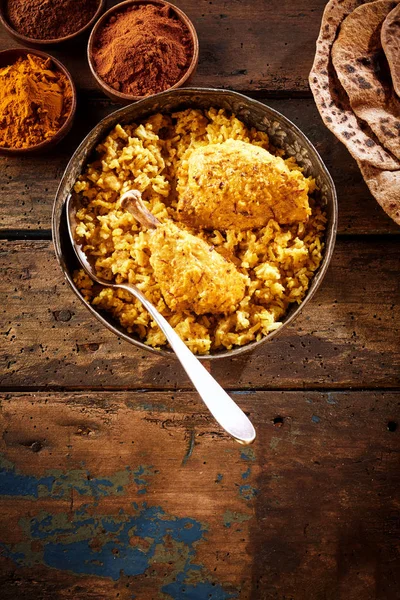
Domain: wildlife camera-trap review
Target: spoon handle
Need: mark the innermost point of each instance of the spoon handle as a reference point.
(221, 406)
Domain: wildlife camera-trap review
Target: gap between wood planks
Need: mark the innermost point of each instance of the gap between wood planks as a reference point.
(190, 390)
(260, 94)
(12, 235)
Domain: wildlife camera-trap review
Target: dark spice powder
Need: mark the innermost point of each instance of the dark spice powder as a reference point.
(50, 19)
(143, 50)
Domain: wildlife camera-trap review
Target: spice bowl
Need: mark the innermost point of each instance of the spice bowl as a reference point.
(30, 41)
(112, 14)
(9, 57)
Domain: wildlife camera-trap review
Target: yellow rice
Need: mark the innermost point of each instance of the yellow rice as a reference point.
(279, 261)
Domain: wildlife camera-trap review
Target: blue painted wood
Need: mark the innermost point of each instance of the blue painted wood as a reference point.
(148, 499)
(87, 541)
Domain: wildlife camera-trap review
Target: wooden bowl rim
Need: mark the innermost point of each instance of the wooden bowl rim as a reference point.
(35, 42)
(121, 96)
(62, 132)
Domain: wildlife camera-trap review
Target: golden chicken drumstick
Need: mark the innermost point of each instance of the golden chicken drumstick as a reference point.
(237, 185)
(191, 274)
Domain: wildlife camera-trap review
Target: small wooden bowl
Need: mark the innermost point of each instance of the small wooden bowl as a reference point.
(33, 41)
(128, 98)
(9, 57)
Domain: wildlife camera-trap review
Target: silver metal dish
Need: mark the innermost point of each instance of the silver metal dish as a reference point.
(283, 134)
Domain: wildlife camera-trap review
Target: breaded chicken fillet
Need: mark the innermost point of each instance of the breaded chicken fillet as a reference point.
(237, 185)
(191, 274)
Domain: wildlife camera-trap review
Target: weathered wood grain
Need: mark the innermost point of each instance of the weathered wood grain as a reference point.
(347, 336)
(269, 45)
(28, 187)
(141, 495)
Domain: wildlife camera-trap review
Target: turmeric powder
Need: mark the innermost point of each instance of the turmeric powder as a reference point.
(35, 102)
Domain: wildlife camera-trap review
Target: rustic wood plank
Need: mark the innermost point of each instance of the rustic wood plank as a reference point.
(28, 187)
(267, 46)
(347, 336)
(141, 495)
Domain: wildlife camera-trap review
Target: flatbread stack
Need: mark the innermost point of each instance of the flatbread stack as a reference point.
(355, 80)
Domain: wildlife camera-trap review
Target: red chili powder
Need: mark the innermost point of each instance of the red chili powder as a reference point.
(143, 50)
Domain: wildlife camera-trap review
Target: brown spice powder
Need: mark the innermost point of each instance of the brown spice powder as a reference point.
(50, 19)
(143, 50)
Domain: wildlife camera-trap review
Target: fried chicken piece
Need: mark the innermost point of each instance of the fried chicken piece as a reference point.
(236, 185)
(191, 274)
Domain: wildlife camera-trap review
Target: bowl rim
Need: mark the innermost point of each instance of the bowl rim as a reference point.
(330, 236)
(35, 42)
(62, 132)
(121, 96)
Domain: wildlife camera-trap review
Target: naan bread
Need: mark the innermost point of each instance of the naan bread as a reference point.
(390, 38)
(331, 99)
(385, 186)
(358, 60)
(378, 166)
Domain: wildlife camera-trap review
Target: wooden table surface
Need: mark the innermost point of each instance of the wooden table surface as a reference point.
(114, 480)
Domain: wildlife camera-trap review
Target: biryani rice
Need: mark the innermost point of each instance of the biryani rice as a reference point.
(278, 261)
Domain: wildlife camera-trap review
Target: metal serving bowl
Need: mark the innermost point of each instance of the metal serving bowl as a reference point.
(283, 134)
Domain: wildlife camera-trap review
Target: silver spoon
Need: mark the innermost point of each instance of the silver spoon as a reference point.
(222, 407)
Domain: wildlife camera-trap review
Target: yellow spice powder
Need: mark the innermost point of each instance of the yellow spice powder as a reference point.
(35, 101)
